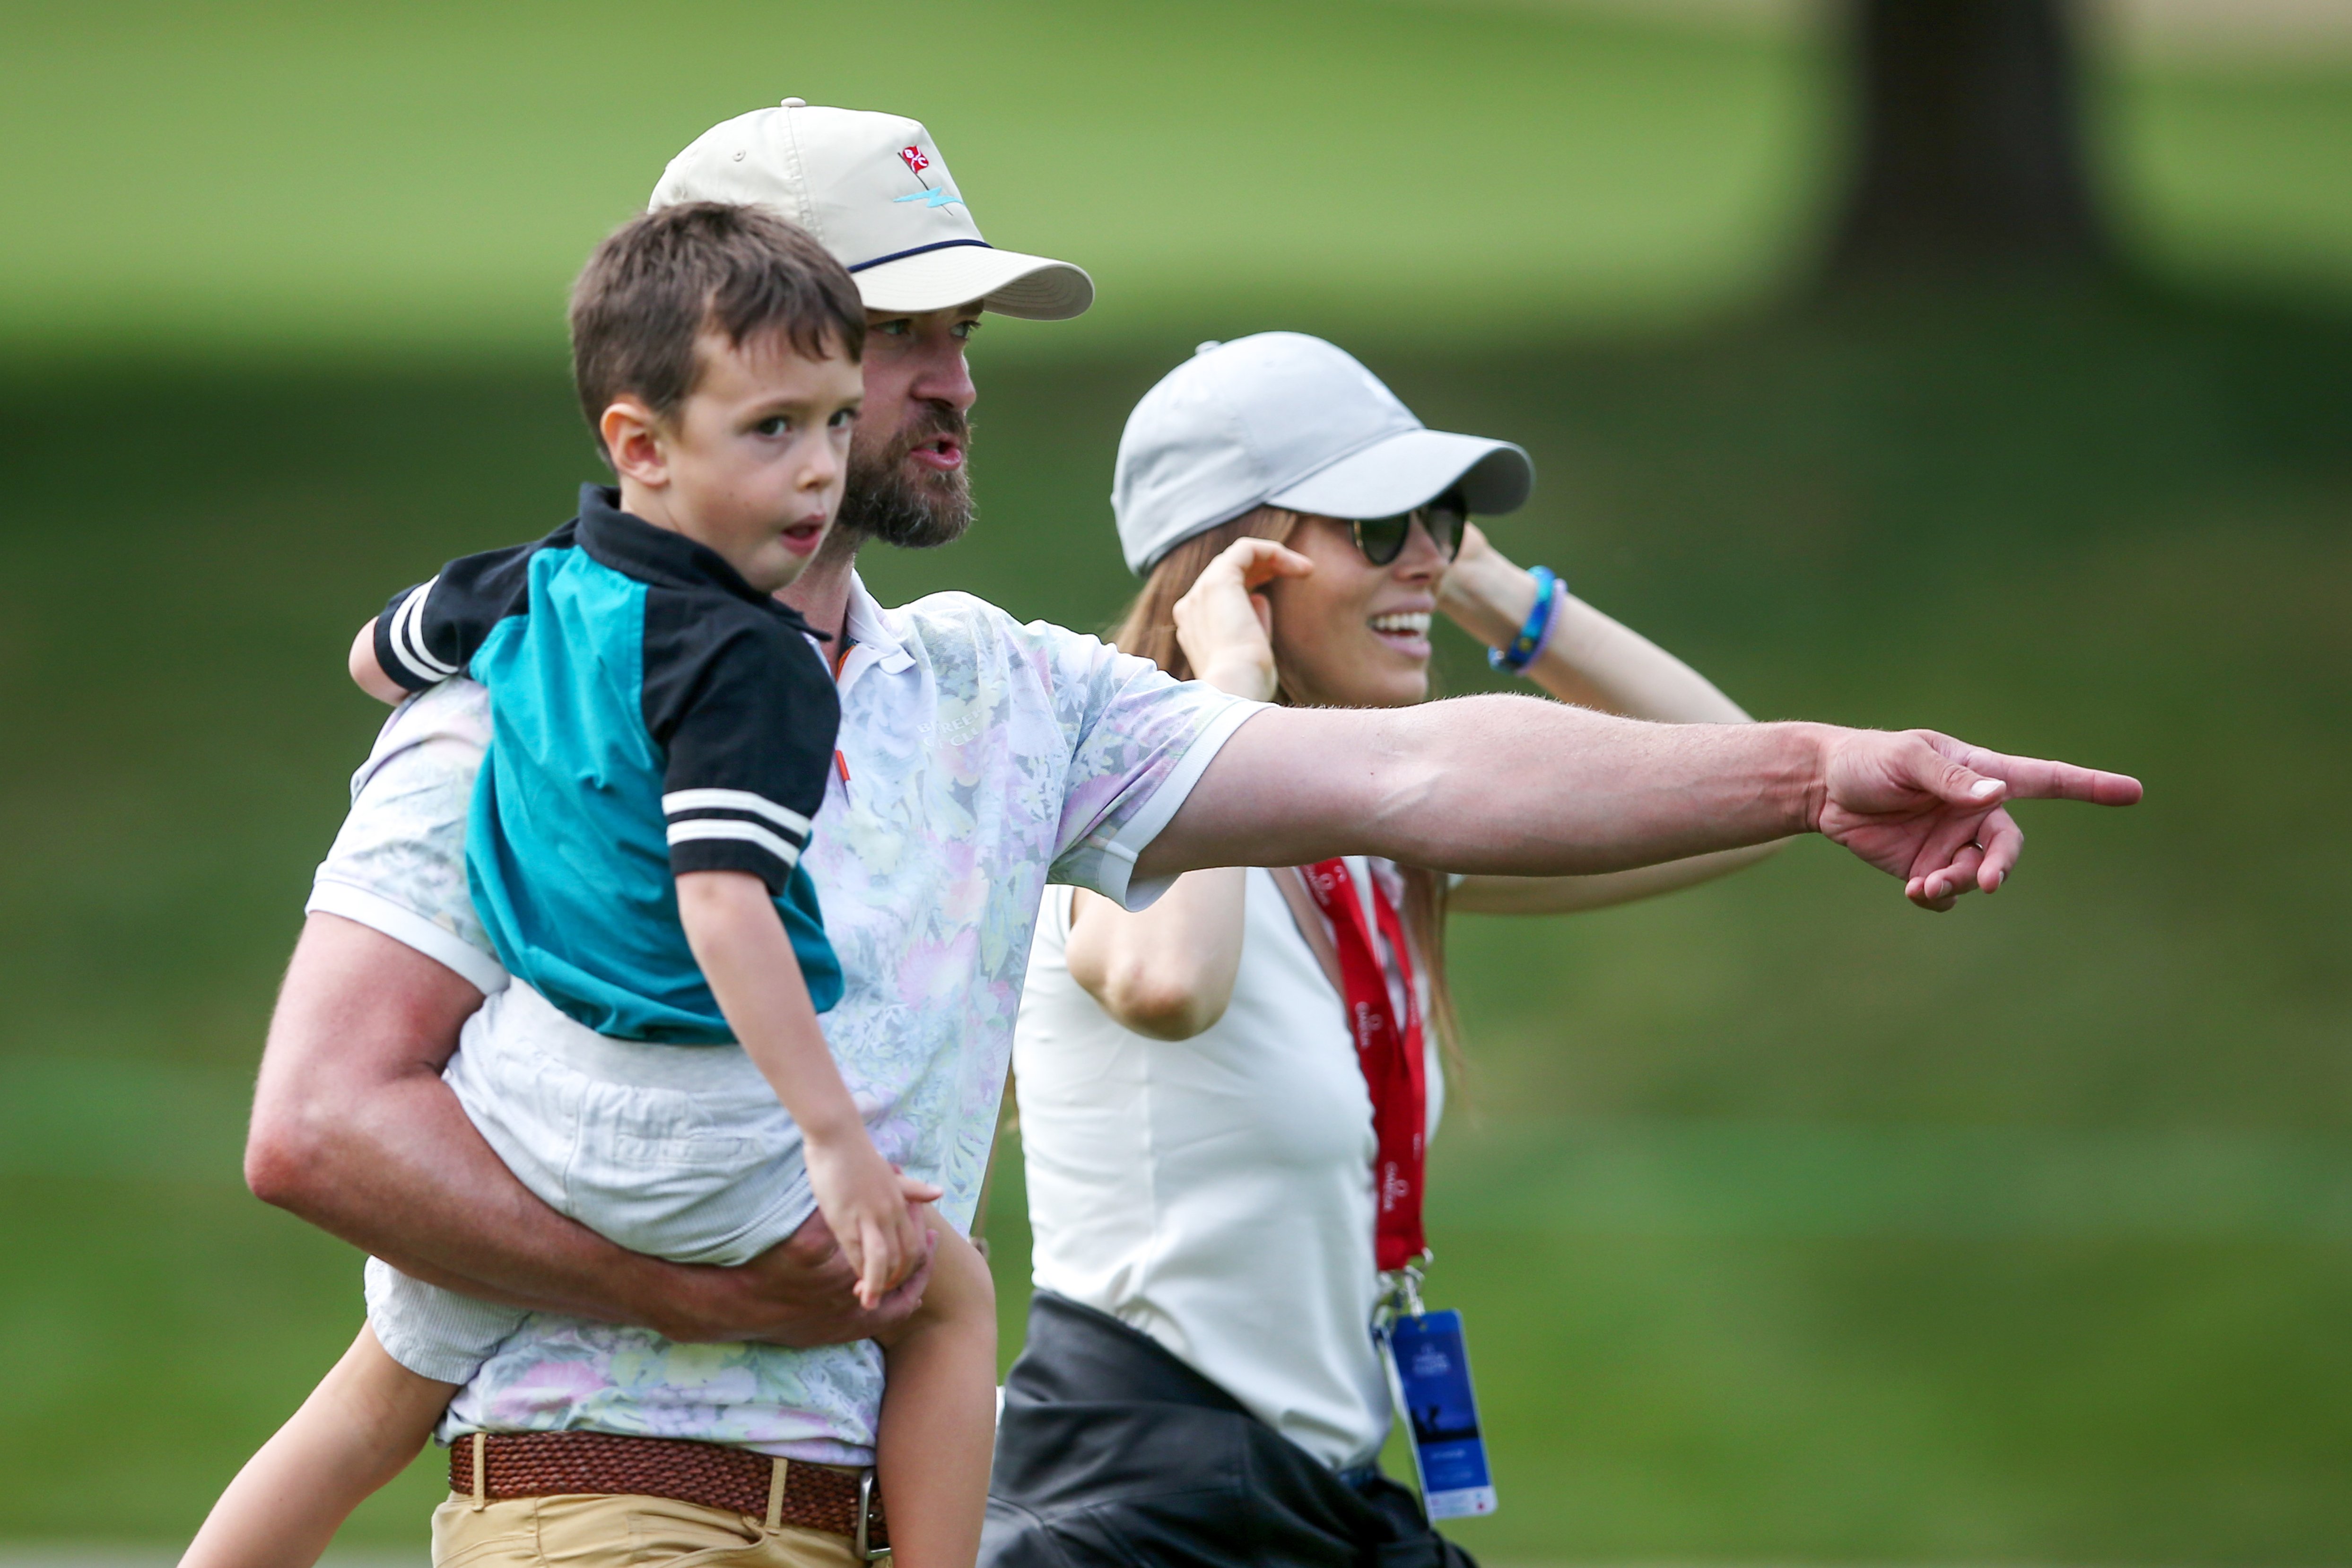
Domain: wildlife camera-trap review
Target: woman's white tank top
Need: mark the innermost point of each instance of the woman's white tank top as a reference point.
(1216, 1193)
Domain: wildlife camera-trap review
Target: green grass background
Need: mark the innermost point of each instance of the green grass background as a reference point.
(426, 177)
(1790, 1223)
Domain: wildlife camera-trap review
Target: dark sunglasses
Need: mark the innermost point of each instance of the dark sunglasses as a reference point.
(1382, 538)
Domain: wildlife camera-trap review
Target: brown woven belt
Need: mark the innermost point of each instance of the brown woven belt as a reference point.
(735, 1480)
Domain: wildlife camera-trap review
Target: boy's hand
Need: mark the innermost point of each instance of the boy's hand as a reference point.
(870, 1207)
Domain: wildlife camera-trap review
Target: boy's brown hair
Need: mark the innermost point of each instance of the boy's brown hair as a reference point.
(659, 281)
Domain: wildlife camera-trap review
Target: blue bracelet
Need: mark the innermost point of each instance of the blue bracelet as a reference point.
(1521, 650)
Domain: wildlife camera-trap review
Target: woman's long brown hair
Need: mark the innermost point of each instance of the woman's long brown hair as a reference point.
(1147, 630)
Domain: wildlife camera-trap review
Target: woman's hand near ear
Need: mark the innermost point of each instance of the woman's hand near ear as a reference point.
(1168, 971)
(1227, 627)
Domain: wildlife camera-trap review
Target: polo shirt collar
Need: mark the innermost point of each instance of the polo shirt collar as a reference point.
(635, 548)
(869, 626)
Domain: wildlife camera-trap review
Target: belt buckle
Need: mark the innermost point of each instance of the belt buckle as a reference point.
(865, 1518)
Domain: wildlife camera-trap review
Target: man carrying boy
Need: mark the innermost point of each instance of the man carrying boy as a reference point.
(978, 760)
(662, 733)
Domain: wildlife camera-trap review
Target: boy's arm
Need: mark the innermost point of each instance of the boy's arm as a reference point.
(739, 940)
(747, 717)
(367, 672)
(430, 632)
(732, 923)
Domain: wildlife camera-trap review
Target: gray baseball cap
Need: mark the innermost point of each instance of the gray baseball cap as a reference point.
(1284, 419)
(874, 191)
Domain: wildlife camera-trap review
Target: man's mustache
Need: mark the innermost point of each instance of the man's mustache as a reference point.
(937, 419)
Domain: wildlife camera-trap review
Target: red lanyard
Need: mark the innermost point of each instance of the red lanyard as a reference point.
(1390, 1053)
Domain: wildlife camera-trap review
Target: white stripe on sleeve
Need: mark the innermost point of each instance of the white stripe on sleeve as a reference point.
(408, 640)
(741, 800)
(737, 828)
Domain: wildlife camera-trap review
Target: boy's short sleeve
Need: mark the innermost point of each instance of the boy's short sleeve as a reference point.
(741, 700)
(431, 632)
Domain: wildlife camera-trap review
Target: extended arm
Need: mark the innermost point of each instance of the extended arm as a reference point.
(1516, 787)
(1508, 786)
(1504, 784)
(354, 1130)
(1595, 662)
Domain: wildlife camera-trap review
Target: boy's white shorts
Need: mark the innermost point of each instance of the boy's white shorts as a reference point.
(682, 1151)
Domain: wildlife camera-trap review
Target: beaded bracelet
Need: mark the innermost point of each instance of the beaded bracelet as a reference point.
(1522, 650)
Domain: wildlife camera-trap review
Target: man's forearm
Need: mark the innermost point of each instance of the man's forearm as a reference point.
(354, 1130)
(408, 1178)
(1505, 784)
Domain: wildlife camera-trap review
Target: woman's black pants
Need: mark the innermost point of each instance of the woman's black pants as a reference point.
(1112, 1452)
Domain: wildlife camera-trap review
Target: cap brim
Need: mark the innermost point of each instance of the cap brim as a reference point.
(1412, 468)
(1005, 282)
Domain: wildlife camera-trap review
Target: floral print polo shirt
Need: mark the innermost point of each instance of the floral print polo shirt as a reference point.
(979, 760)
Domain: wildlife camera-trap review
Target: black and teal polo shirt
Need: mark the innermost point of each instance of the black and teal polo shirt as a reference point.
(651, 713)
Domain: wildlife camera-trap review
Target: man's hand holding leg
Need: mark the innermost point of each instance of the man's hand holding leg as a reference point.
(800, 1292)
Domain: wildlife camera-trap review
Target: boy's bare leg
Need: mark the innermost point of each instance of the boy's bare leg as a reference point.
(939, 1411)
(364, 1423)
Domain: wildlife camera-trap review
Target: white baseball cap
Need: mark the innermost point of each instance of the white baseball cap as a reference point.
(1283, 419)
(874, 189)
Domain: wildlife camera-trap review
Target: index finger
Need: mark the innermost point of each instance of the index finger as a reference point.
(914, 1190)
(2033, 778)
(1260, 560)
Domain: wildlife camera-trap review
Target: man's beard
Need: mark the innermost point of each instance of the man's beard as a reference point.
(888, 498)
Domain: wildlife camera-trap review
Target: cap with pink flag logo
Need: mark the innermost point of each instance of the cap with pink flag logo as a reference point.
(874, 191)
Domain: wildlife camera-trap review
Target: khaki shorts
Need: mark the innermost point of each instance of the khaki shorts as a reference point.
(604, 1530)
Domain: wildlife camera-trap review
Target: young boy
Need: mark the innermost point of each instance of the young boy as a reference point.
(661, 732)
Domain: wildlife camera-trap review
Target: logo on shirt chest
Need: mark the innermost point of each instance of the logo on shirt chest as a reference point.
(961, 730)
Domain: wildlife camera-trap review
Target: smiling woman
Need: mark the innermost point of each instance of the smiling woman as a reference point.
(1224, 1097)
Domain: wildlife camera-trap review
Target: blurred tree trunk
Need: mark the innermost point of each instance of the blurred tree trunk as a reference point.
(1971, 141)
